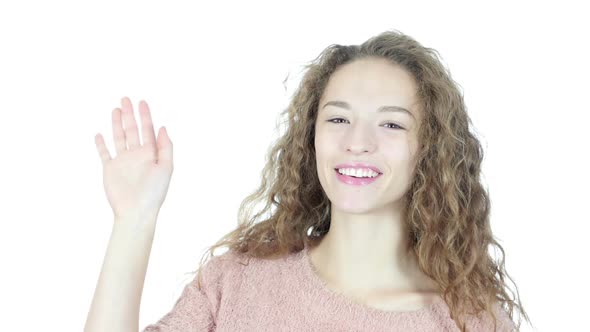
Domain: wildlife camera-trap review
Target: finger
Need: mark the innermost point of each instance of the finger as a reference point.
(147, 126)
(118, 132)
(131, 134)
(103, 152)
(165, 148)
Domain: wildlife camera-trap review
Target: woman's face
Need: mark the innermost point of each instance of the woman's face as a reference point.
(387, 140)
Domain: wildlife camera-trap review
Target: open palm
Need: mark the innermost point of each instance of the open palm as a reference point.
(136, 180)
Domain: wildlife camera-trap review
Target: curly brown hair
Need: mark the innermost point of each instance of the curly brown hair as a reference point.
(447, 208)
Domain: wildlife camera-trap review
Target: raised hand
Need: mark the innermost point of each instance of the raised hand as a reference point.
(136, 180)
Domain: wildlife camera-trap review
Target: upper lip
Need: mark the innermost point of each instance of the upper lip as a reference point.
(358, 165)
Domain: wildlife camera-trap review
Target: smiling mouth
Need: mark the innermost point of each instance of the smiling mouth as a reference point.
(358, 177)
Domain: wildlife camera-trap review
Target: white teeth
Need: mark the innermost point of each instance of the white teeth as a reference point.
(365, 173)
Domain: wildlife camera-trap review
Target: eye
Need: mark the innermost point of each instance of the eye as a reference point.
(335, 119)
(394, 125)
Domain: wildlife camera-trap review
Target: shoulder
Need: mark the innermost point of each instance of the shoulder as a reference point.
(485, 322)
(217, 267)
(231, 263)
(232, 268)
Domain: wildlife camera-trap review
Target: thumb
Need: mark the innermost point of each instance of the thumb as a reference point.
(164, 147)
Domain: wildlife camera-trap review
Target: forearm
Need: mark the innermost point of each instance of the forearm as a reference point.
(117, 297)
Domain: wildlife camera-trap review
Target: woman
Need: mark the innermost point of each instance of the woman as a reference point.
(376, 219)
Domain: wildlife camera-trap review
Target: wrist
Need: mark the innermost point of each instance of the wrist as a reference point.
(139, 222)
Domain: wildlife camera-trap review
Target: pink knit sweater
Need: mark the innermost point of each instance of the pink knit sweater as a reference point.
(287, 295)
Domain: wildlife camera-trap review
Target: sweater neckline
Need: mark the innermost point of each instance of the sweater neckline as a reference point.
(318, 283)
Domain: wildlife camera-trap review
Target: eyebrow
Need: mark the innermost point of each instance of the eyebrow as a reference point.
(345, 105)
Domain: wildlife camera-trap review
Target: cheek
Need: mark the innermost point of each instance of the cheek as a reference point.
(399, 158)
(323, 142)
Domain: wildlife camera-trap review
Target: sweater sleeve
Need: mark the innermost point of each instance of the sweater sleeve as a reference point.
(195, 309)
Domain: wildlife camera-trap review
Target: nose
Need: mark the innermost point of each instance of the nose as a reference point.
(360, 139)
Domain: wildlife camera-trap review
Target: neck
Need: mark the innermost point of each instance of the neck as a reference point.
(367, 252)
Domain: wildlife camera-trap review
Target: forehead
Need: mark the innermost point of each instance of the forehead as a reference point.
(372, 81)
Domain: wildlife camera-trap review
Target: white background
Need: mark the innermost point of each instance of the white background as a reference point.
(213, 75)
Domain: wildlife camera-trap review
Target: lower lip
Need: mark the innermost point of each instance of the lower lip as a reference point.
(355, 181)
